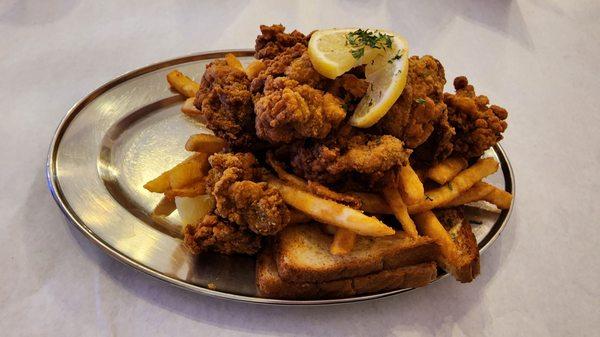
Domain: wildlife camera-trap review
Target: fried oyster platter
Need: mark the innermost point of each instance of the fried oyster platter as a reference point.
(338, 161)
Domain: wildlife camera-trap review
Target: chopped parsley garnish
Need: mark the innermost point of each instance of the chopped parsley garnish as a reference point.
(358, 53)
(361, 38)
(397, 57)
(345, 106)
(420, 100)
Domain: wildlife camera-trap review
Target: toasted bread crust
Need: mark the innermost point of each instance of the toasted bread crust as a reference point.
(370, 255)
(465, 267)
(270, 285)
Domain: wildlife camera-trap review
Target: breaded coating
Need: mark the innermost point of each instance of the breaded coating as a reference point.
(302, 71)
(281, 110)
(225, 103)
(415, 114)
(349, 87)
(288, 111)
(221, 236)
(236, 182)
(478, 125)
(437, 147)
(427, 77)
(277, 66)
(273, 41)
(348, 151)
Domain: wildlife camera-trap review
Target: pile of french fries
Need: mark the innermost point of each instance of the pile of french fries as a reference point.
(184, 186)
(405, 198)
(345, 215)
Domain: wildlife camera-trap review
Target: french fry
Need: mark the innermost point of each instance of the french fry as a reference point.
(430, 226)
(411, 187)
(331, 212)
(462, 182)
(254, 68)
(394, 199)
(193, 190)
(189, 108)
(188, 171)
(325, 192)
(233, 62)
(311, 186)
(447, 169)
(284, 175)
(343, 242)
(165, 206)
(372, 203)
(183, 84)
(475, 193)
(159, 184)
(205, 143)
(422, 174)
(498, 197)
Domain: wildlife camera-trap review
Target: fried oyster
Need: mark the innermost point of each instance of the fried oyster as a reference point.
(285, 106)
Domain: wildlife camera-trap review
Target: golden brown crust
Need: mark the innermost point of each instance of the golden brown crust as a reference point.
(478, 125)
(225, 104)
(271, 285)
(276, 67)
(219, 235)
(302, 254)
(349, 87)
(288, 110)
(235, 181)
(465, 266)
(302, 71)
(273, 40)
(419, 109)
(348, 151)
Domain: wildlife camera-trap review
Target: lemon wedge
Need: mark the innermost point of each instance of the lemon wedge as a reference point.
(335, 51)
(331, 54)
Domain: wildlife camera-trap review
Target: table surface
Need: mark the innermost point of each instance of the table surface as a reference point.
(539, 59)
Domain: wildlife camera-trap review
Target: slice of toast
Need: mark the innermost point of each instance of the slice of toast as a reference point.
(302, 254)
(465, 265)
(271, 285)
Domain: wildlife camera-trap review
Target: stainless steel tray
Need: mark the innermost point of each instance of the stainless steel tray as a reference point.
(130, 130)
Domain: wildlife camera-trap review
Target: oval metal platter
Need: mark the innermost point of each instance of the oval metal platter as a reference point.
(129, 131)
